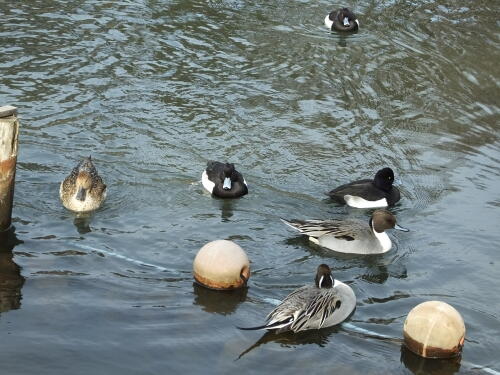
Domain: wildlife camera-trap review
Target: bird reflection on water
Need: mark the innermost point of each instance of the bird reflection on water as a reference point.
(82, 222)
(320, 337)
(378, 267)
(226, 209)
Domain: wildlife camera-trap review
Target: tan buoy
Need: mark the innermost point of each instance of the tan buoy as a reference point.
(221, 264)
(434, 329)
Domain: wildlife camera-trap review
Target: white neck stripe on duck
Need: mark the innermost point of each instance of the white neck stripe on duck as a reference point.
(382, 238)
(322, 278)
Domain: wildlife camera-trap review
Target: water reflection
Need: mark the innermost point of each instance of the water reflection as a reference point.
(222, 302)
(380, 273)
(379, 267)
(226, 209)
(82, 223)
(419, 365)
(320, 337)
(11, 281)
(342, 38)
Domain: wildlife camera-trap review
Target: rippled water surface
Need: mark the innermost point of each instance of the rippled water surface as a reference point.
(153, 89)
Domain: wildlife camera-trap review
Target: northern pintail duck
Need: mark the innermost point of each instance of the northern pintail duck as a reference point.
(341, 20)
(367, 193)
(83, 190)
(325, 303)
(223, 180)
(350, 236)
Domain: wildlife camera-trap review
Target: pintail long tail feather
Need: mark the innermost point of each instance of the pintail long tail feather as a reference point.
(295, 224)
(275, 325)
(312, 228)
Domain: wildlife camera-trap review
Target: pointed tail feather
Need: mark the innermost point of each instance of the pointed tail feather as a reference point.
(275, 325)
(295, 224)
(329, 193)
(252, 328)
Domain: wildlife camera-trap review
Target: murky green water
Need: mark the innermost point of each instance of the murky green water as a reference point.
(154, 89)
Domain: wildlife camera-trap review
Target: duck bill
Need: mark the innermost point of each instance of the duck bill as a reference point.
(346, 21)
(81, 194)
(402, 229)
(227, 184)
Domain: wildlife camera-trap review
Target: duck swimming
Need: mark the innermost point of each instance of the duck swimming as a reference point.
(341, 20)
(325, 303)
(367, 193)
(350, 236)
(223, 180)
(83, 190)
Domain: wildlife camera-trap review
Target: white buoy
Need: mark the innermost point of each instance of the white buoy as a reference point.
(221, 264)
(434, 329)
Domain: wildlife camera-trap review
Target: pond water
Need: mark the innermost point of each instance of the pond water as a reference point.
(154, 89)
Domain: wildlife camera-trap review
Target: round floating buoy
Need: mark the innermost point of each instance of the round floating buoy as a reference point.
(434, 329)
(221, 264)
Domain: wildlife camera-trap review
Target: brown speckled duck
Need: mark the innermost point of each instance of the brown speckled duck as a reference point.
(83, 190)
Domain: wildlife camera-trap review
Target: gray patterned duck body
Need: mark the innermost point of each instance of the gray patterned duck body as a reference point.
(350, 236)
(325, 303)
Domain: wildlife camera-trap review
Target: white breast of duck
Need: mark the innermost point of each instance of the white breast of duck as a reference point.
(374, 243)
(73, 203)
(83, 190)
(358, 202)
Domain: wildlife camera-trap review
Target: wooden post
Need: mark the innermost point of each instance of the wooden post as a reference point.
(9, 130)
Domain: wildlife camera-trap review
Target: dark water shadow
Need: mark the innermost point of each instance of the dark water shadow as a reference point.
(288, 339)
(226, 209)
(222, 302)
(343, 36)
(379, 267)
(11, 281)
(420, 365)
(82, 222)
(225, 205)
